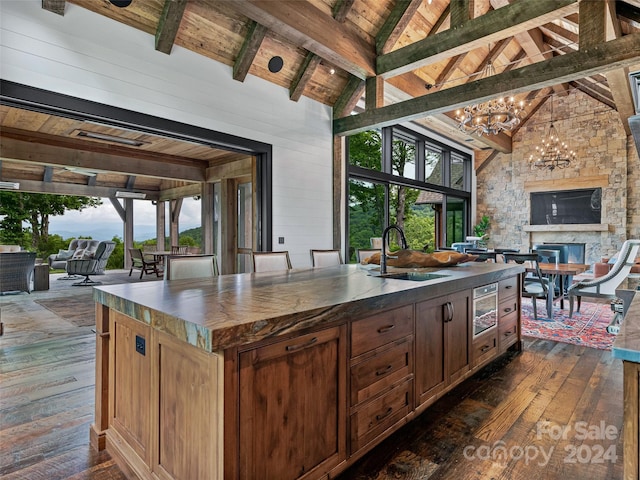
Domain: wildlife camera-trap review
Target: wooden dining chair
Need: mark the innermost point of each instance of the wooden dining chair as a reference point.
(535, 285)
(140, 262)
(191, 266)
(364, 253)
(325, 258)
(270, 261)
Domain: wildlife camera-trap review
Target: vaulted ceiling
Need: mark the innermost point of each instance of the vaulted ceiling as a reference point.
(385, 60)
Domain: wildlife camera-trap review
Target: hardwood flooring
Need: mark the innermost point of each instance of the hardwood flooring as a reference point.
(522, 417)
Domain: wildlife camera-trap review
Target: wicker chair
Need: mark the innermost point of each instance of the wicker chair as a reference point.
(91, 266)
(16, 271)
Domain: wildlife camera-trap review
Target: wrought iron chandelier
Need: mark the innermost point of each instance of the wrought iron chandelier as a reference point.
(552, 153)
(492, 117)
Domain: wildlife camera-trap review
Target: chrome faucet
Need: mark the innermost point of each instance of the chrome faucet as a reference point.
(383, 254)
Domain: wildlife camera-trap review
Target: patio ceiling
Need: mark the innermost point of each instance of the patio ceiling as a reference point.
(387, 60)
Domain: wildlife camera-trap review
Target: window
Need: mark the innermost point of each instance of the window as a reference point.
(396, 176)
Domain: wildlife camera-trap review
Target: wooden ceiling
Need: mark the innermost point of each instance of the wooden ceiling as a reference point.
(387, 60)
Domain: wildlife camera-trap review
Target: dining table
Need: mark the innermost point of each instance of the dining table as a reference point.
(562, 271)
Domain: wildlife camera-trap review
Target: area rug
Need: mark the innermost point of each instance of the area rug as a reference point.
(79, 309)
(587, 327)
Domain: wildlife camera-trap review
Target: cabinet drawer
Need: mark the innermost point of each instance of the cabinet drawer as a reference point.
(379, 415)
(508, 307)
(507, 288)
(507, 331)
(372, 376)
(380, 329)
(485, 347)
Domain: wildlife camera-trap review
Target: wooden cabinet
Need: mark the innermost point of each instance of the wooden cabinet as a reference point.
(508, 313)
(631, 426)
(442, 343)
(381, 374)
(291, 406)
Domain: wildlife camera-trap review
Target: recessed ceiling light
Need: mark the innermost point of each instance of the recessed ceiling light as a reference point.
(275, 64)
(121, 3)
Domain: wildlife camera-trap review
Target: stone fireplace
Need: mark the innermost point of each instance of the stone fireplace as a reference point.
(584, 246)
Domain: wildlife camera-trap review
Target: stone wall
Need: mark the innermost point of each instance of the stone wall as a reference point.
(595, 132)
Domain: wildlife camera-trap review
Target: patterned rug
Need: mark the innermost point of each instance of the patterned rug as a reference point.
(587, 327)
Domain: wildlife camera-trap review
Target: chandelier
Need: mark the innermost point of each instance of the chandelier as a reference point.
(492, 117)
(552, 153)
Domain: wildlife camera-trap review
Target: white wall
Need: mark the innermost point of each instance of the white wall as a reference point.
(85, 55)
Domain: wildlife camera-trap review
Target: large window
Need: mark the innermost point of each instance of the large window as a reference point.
(396, 176)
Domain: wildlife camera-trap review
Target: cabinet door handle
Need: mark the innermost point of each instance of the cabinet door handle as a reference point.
(382, 371)
(386, 328)
(449, 306)
(508, 287)
(291, 348)
(508, 334)
(485, 348)
(385, 414)
(508, 310)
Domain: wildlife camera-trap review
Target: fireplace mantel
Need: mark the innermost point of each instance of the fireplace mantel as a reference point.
(582, 227)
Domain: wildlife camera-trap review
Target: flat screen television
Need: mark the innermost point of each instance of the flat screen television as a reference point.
(566, 207)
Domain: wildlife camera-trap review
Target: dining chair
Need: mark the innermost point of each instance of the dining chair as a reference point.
(364, 253)
(534, 286)
(482, 254)
(325, 258)
(140, 262)
(605, 286)
(271, 261)
(179, 249)
(502, 251)
(193, 266)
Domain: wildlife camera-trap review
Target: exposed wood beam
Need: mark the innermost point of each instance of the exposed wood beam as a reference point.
(475, 33)
(618, 80)
(446, 14)
(461, 12)
(567, 35)
(572, 66)
(395, 24)
(306, 25)
(304, 75)
(169, 24)
(594, 91)
(483, 158)
(56, 188)
(374, 93)
(168, 163)
(341, 9)
(349, 97)
(592, 23)
(47, 154)
(249, 50)
(448, 70)
(180, 192)
(55, 6)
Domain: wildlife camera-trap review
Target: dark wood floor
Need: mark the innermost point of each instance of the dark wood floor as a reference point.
(523, 417)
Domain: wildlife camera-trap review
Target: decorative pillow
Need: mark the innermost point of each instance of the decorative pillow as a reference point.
(64, 254)
(77, 255)
(88, 254)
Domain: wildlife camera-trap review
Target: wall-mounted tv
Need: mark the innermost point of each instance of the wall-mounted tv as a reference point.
(566, 207)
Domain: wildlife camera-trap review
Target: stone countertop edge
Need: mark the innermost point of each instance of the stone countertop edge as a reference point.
(627, 343)
(238, 309)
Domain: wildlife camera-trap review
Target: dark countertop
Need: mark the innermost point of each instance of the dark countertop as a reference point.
(627, 344)
(232, 310)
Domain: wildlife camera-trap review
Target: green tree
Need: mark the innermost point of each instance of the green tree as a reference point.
(35, 209)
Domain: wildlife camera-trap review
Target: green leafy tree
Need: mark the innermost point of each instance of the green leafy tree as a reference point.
(35, 209)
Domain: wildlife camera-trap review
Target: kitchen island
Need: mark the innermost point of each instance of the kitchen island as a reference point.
(627, 348)
(286, 375)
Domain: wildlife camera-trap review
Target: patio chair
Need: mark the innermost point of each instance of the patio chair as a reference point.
(139, 261)
(16, 271)
(534, 286)
(179, 249)
(193, 266)
(271, 261)
(92, 264)
(325, 258)
(605, 286)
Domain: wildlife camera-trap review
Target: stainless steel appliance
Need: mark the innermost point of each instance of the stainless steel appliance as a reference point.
(485, 308)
